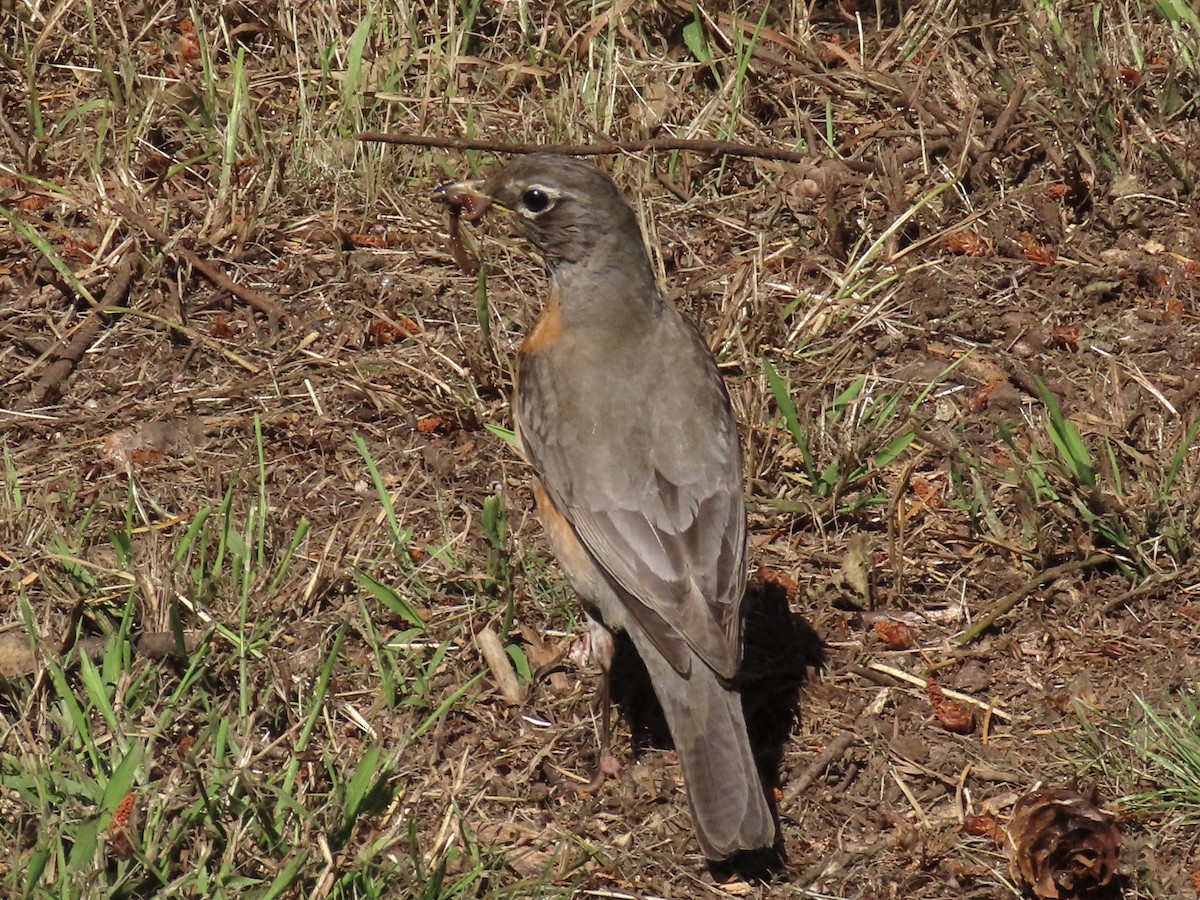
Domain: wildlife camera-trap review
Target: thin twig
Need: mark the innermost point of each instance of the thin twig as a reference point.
(996, 136)
(263, 304)
(897, 520)
(717, 148)
(1153, 583)
(916, 681)
(833, 751)
(192, 335)
(1006, 605)
(86, 334)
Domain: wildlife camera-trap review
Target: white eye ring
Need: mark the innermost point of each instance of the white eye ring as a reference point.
(537, 199)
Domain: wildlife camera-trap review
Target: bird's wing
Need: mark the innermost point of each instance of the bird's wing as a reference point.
(637, 447)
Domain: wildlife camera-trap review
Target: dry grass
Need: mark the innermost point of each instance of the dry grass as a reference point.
(243, 560)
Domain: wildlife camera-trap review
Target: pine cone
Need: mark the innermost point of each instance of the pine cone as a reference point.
(1063, 846)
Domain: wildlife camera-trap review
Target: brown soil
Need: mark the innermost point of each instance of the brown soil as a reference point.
(1086, 277)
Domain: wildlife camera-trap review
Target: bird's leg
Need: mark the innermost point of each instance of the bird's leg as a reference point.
(603, 649)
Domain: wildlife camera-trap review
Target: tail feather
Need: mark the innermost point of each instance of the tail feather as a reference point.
(729, 808)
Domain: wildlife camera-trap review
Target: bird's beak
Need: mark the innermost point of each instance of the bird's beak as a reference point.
(466, 197)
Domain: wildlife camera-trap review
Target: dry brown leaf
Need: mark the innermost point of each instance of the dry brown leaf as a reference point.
(965, 243)
(436, 425)
(927, 492)
(1065, 336)
(1129, 76)
(33, 202)
(895, 635)
(984, 826)
(1036, 252)
(1001, 457)
(187, 49)
(388, 331)
(146, 456)
(957, 718)
(782, 580)
(80, 251)
(979, 400)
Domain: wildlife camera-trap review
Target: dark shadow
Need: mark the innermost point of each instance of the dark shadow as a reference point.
(751, 865)
(633, 695)
(781, 648)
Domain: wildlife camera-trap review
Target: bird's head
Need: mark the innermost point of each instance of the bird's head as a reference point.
(567, 208)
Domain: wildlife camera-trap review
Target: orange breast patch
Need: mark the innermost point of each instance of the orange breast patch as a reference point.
(548, 329)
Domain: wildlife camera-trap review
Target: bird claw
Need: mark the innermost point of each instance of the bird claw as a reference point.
(607, 767)
(580, 651)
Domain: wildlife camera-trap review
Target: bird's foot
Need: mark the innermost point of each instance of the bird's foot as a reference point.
(607, 767)
(580, 651)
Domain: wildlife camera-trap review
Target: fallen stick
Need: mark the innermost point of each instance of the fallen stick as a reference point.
(1006, 605)
(18, 657)
(498, 661)
(85, 335)
(263, 304)
(901, 675)
(726, 148)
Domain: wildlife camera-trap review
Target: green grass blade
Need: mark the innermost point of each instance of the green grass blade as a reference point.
(43, 247)
(506, 435)
(389, 597)
(1179, 456)
(444, 707)
(289, 876)
(298, 537)
(791, 421)
(400, 537)
(1066, 439)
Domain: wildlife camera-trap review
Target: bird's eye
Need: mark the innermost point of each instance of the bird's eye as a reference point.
(535, 200)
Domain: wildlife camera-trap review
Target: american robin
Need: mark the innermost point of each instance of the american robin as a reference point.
(623, 416)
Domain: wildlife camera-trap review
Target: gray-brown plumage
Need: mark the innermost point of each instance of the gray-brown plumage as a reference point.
(626, 422)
